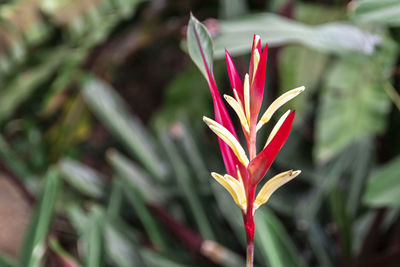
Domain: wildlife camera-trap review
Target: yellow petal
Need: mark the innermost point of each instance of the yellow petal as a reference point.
(222, 181)
(239, 189)
(231, 187)
(256, 60)
(235, 93)
(276, 127)
(246, 92)
(229, 139)
(272, 185)
(240, 177)
(277, 104)
(239, 111)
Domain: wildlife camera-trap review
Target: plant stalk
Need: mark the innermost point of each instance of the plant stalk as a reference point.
(249, 226)
(250, 253)
(248, 217)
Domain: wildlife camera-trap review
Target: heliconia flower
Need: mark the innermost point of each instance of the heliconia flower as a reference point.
(245, 171)
(246, 103)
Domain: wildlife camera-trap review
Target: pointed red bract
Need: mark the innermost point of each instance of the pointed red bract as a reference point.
(221, 115)
(257, 86)
(258, 47)
(234, 78)
(259, 166)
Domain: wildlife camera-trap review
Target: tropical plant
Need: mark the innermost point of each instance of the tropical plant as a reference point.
(100, 132)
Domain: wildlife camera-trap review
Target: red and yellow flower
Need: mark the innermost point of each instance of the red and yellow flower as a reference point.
(246, 170)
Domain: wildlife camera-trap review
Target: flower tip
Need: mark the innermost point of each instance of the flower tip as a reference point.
(295, 173)
(206, 120)
(257, 54)
(227, 55)
(257, 42)
(301, 88)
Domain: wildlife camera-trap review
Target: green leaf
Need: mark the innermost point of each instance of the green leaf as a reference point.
(342, 219)
(11, 158)
(123, 248)
(35, 242)
(274, 241)
(187, 187)
(63, 256)
(83, 178)
(77, 217)
(191, 150)
(359, 172)
(384, 12)
(151, 227)
(26, 82)
(115, 199)
(90, 229)
(180, 101)
(312, 14)
(326, 178)
(232, 8)
(93, 238)
(126, 7)
(322, 247)
(233, 217)
(112, 110)
(339, 38)
(229, 210)
(154, 259)
(200, 46)
(137, 186)
(122, 251)
(383, 188)
(6, 262)
(135, 177)
(300, 66)
(353, 105)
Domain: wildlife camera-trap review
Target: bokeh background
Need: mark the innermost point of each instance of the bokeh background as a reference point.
(105, 160)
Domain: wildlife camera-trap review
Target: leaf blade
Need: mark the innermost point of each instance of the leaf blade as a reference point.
(34, 244)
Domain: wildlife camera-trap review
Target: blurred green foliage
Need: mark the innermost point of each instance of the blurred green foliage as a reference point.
(115, 186)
